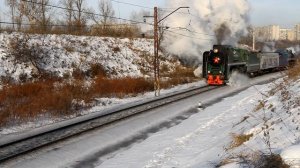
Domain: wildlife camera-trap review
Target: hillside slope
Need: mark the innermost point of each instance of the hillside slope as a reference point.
(62, 55)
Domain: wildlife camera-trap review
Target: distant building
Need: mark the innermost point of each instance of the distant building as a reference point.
(274, 32)
(287, 34)
(297, 32)
(268, 33)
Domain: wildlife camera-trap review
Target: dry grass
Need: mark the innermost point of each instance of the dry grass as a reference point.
(225, 162)
(181, 75)
(294, 72)
(25, 102)
(270, 161)
(20, 103)
(261, 105)
(116, 31)
(238, 140)
(181, 71)
(120, 87)
(69, 49)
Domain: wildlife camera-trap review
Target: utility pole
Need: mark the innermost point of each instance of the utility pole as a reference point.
(156, 48)
(253, 39)
(156, 62)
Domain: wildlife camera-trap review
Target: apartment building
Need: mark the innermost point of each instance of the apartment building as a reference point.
(297, 32)
(268, 33)
(274, 32)
(287, 34)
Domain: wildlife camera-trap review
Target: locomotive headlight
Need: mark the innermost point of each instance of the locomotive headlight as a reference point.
(208, 72)
(216, 50)
(220, 72)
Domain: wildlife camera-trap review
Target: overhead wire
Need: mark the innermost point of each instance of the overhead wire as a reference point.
(193, 37)
(191, 31)
(165, 9)
(113, 17)
(131, 4)
(89, 13)
(60, 25)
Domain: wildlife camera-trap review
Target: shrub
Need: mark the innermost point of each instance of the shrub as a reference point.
(116, 31)
(269, 161)
(116, 49)
(20, 103)
(294, 72)
(120, 87)
(96, 70)
(22, 52)
(182, 72)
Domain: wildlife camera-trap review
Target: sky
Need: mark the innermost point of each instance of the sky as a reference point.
(263, 12)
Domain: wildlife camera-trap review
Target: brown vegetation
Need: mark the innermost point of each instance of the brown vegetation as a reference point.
(24, 102)
(294, 72)
(268, 161)
(239, 139)
(180, 75)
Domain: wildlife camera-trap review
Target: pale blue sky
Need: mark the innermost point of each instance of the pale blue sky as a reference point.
(263, 12)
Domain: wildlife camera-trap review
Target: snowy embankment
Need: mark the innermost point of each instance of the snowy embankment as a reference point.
(61, 55)
(273, 124)
(25, 57)
(106, 104)
(207, 139)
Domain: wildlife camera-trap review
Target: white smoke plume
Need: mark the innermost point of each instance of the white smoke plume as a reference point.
(228, 19)
(269, 46)
(295, 49)
(238, 79)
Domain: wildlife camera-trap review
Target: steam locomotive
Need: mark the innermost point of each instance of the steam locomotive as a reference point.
(222, 60)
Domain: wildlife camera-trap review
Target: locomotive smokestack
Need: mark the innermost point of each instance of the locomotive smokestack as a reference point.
(222, 32)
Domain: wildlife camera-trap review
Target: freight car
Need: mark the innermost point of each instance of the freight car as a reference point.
(222, 60)
(291, 58)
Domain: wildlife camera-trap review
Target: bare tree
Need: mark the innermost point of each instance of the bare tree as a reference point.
(80, 17)
(19, 14)
(12, 5)
(69, 4)
(106, 10)
(37, 13)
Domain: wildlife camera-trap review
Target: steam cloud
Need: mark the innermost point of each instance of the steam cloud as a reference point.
(215, 21)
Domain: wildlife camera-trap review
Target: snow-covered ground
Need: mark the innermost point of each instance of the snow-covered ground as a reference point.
(102, 105)
(63, 54)
(203, 139)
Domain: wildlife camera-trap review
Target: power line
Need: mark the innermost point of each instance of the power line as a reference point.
(131, 4)
(190, 31)
(89, 13)
(192, 37)
(63, 25)
(147, 7)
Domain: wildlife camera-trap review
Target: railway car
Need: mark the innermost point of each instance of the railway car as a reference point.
(262, 62)
(222, 60)
(287, 57)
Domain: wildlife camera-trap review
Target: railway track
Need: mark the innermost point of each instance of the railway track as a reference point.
(23, 144)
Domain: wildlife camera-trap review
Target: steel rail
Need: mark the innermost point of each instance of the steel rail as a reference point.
(16, 147)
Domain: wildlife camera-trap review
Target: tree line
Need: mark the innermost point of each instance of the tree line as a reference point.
(69, 16)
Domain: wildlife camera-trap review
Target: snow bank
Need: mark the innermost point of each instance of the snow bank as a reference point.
(291, 155)
(274, 122)
(62, 54)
